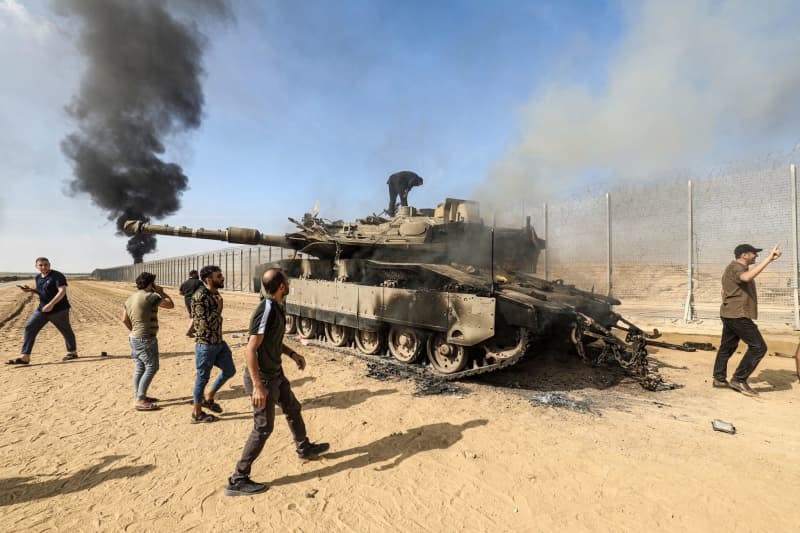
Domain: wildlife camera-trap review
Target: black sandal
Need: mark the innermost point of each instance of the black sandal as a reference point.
(70, 357)
(214, 406)
(202, 418)
(17, 361)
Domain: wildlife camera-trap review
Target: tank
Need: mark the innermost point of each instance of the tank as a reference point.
(435, 286)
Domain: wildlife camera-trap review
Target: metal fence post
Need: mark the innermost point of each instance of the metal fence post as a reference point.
(688, 311)
(795, 266)
(546, 242)
(241, 269)
(608, 241)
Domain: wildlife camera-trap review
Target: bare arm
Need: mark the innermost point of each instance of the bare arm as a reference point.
(756, 270)
(126, 319)
(251, 360)
(62, 291)
(166, 302)
(25, 288)
(296, 357)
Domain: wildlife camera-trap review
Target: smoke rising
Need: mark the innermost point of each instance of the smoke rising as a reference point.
(142, 84)
(690, 83)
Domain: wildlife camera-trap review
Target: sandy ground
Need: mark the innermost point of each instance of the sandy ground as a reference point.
(77, 457)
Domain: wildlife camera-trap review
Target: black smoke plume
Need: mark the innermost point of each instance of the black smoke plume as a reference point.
(142, 84)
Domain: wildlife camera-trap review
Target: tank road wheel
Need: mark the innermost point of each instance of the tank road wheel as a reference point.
(338, 335)
(511, 343)
(406, 344)
(369, 342)
(306, 328)
(291, 324)
(446, 358)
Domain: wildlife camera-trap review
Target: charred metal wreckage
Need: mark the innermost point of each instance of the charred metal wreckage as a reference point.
(435, 285)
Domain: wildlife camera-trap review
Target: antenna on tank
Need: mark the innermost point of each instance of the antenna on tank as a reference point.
(494, 224)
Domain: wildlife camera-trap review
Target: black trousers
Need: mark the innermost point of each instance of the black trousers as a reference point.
(393, 194)
(734, 330)
(279, 392)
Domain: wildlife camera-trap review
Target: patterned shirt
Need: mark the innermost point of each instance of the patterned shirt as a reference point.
(207, 318)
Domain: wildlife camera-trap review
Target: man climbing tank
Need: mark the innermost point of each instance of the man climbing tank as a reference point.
(400, 183)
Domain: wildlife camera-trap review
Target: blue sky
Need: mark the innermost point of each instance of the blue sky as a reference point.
(308, 101)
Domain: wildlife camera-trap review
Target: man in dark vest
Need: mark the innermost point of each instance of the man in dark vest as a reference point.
(739, 309)
(400, 183)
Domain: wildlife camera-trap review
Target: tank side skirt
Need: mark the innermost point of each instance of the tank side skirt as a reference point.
(467, 319)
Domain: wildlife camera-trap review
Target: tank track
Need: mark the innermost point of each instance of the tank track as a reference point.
(633, 359)
(422, 370)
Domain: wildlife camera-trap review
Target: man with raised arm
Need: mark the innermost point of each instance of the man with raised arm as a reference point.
(140, 316)
(739, 309)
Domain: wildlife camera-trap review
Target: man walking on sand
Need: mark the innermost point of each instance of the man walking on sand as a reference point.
(267, 385)
(210, 350)
(739, 309)
(51, 287)
(187, 289)
(140, 316)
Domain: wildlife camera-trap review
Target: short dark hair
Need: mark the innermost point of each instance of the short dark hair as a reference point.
(207, 270)
(274, 277)
(192, 273)
(42, 259)
(144, 279)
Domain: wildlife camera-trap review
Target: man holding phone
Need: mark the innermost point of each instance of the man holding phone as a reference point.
(51, 287)
(739, 309)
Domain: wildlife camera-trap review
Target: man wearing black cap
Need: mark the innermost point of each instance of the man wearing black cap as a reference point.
(739, 308)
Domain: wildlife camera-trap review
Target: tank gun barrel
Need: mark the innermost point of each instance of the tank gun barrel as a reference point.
(232, 234)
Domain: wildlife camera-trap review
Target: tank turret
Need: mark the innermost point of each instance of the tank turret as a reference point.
(433, 284)
(453, 232)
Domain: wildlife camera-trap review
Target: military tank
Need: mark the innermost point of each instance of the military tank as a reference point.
(433, 285)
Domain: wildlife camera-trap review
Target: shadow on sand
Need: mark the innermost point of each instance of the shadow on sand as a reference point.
(344, 399)
(396, 448)
(778, 380)
(24, 489)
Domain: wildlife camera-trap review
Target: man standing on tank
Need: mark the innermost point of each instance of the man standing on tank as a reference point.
(400, 183)
(739, 309)
(267, 385)
(51, 287)
(187, 289)
(210, 349)
(140, 316)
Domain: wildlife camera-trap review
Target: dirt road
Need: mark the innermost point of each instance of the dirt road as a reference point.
(77, 457)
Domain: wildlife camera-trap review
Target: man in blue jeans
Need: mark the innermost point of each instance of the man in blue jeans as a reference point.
(210, 350)
(140, 316)
(51, 287)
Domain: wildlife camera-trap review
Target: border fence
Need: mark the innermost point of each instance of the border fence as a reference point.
(661, 249)
(237, 265)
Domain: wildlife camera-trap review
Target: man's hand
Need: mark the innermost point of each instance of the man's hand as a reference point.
(47, 308)
(299, 359)
(25, 288)
(259, 394)
(775, 253)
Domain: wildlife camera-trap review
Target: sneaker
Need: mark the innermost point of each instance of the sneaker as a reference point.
(312, 450)
(721, 384)
(743, 387)
(244, 487)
